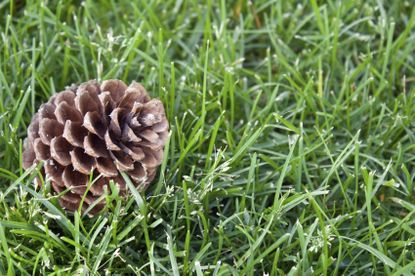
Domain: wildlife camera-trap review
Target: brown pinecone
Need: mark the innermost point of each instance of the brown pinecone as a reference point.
(99, 130)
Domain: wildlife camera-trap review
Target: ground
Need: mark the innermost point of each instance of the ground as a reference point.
(292, 146)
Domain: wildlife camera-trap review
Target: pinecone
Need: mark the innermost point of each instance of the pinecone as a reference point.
(99, 130)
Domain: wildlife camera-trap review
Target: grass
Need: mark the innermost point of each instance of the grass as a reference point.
(292, 147)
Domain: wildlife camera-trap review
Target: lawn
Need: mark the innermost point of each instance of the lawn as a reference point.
(291, 148)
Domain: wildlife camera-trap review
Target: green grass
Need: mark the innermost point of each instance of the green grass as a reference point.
(292, 147)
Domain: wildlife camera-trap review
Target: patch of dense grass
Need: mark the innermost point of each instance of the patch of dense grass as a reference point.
(292, 147)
